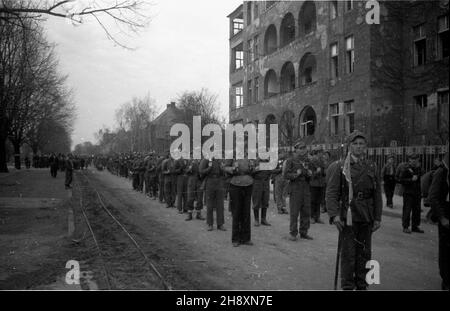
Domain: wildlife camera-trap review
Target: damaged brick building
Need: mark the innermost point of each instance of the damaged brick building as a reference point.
(319, 70)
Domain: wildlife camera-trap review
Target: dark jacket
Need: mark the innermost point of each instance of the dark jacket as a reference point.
(367, 203)
(437, 194)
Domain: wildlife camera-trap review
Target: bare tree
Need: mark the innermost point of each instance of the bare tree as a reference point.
(124, 15)
(200, 103)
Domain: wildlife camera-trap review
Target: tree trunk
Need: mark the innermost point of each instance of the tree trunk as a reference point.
(16, 155)
(3, 166)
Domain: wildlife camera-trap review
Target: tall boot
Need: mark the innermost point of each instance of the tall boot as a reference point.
(199, 215)
(263, 217)
(256, 214)
(189, 217)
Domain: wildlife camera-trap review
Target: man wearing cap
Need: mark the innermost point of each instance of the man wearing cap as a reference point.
(194, 190)
(298, 170)
(410, 179)
(354, 204)
(180, 167)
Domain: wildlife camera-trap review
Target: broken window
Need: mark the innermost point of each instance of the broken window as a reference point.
(287, 29)
(442, 111)
(334, 118)
(334, 64)
(238, 57)
(287, 77)
(270, 84)
(420, 45)
(443, 33)
(349, 124)
(238, 25)
(307, 18)
(420, 113)
(270, 40)
(307, 69)
(349, 54)
(238, 95)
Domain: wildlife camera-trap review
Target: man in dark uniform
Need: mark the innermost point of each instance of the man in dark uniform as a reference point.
(160, 179)
(69, 171)
(194, 189)
(170, 181)
(354, 204)
(214, 190)
(279, 186)
(54, 163)
(388, 175)
(135, 173)
(317, 185)
(182, 179)
(410, 179)
(260, 193)
(298, 170)
(440, 207)
(152, 177)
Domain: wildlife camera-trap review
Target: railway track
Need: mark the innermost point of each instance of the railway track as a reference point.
(122, 258)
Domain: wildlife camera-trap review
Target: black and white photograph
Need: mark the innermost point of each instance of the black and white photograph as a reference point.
(224, 152)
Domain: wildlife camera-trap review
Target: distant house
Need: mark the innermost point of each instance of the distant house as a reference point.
(159, 128)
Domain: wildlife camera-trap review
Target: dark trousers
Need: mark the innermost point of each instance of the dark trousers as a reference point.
(411, 210)
(389, 187)
(195, 193)
(161, 187)
(53, 170)
(135, 181)
(280, 191)
(214, 199)
(141, 177)
(299, 204)
(69, 177)
(153, 185)
(170, 183)
(356, 251)
(260, 194)
(240, 200)
(316, 200)
(444, 260)
(182, 192)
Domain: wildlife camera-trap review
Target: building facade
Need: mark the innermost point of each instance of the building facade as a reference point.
(319, 70)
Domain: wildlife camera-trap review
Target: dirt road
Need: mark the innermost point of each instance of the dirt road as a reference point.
(192, 258)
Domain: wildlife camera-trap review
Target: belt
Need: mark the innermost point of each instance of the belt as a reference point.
(362, 195)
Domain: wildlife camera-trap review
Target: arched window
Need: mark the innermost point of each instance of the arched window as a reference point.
(287, 77)
(271, 87)
(287, 30)
(307, 70)
(270, 40)
(307, 18)
(307, 122)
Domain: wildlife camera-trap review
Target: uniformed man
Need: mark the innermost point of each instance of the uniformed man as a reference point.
(388, 175)
(260, 193)
(212, 173)
(69, 171)
(440, 207)
(160, 178)
(170, 181)
(412, 199)
(279, 186)
(317, 185)
(194, 190)
(298, 170)
(354, 204)
(135, 174)
(180, 167)
(152, 177)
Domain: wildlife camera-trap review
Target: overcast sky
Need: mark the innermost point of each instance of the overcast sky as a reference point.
(185, 47)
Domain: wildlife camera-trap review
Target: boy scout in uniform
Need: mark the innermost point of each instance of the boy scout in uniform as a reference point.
(298, 170)
(354, 204)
